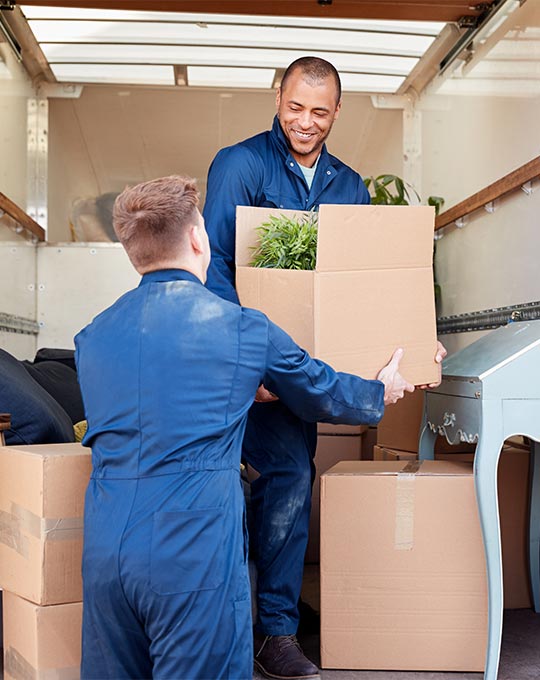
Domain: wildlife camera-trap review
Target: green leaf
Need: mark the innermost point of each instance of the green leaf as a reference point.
(287, 243)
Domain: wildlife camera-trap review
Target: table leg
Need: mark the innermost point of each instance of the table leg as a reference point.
(485, 476)
(534, 526)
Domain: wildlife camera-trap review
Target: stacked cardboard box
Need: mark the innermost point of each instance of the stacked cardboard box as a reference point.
(403, 581)
(41, 504)
(397, 439)
(334, 444)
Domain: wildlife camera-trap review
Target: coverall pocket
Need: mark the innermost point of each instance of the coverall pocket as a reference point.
(187, 551)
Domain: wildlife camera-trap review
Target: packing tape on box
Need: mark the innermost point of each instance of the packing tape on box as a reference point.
(404, 524)
(18, 668)
(11, 535)
(17, 525)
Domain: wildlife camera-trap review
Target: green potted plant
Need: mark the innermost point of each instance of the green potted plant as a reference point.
(287, 242)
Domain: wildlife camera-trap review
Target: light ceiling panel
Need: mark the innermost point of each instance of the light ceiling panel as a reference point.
(226, 35)
(216, 56)
(432, 28)
(365, 82)
(224, 76)
(373, 56)
(114, 73)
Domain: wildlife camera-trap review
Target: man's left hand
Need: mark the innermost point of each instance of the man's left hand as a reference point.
(439, 356)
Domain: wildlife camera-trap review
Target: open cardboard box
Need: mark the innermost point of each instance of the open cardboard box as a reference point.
(371, 291)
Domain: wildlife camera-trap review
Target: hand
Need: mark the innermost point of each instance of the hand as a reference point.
(263, 395)
(439, 356)
(395, 384)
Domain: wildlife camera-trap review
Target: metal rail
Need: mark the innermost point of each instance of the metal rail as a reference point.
(18, 324)
(488, 318)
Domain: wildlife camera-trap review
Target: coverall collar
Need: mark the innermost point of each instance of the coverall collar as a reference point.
(169, 275)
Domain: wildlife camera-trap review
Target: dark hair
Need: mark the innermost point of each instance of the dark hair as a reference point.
(150, 219)
(313, 69)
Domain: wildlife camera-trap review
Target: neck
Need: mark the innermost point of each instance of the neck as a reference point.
(187, 264)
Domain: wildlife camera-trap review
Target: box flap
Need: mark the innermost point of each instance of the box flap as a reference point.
(247, 221)
(396, 467)
(357, 237)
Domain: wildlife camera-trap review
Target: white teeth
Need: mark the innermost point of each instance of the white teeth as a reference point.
(305, 135)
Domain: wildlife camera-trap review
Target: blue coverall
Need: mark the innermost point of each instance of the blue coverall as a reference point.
(168, 374)
(260, 171)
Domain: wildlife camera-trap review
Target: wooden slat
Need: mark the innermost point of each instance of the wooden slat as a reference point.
(419, 10)
(514, 180)
(13, 210)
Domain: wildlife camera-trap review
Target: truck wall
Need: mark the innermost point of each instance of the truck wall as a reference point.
(113, 136)
(470, 142)
(15, 88)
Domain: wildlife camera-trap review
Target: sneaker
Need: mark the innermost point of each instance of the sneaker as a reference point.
(280, 656)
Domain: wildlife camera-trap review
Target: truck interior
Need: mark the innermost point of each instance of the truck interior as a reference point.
(98, 95)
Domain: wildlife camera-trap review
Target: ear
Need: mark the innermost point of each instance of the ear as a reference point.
(278, 97)
(338, 109)
(195, 240)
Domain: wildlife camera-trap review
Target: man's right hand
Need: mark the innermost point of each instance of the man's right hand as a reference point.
(263, 395)
(395, 384)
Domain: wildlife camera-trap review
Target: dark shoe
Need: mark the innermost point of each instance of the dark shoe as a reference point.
(280, 656)
(310, 620)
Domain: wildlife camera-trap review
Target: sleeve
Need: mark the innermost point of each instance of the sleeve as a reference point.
(314, 391)
(233, 179)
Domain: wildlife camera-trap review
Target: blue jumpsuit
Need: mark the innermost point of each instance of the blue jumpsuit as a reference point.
(168, 374)
(260, 171)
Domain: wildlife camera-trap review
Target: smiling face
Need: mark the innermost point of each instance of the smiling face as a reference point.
(307, 110)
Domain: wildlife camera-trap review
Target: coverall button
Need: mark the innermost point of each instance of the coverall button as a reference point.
(328, 172)
(291, 164)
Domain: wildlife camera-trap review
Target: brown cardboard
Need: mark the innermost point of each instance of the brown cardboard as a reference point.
(330, 428)
(403, 584)
(331, 449)
(400, 425)
(513, 486)
(41, 505)
(371, 291)
(41, 642)
(369, 439)
(381, 453)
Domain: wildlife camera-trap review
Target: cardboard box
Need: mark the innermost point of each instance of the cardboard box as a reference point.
(400, 426)
(331, 428)
(514, 489)
(403, 575)
(41, 642)
(331, 449)
(371, 291)
(369, 440)
(41, 506)
(513, 485)
(381, 453)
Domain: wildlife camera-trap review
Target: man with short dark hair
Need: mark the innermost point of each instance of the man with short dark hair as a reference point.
(286, 167)
(168, 374)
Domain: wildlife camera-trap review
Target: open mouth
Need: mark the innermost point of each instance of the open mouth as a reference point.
(304, 136)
